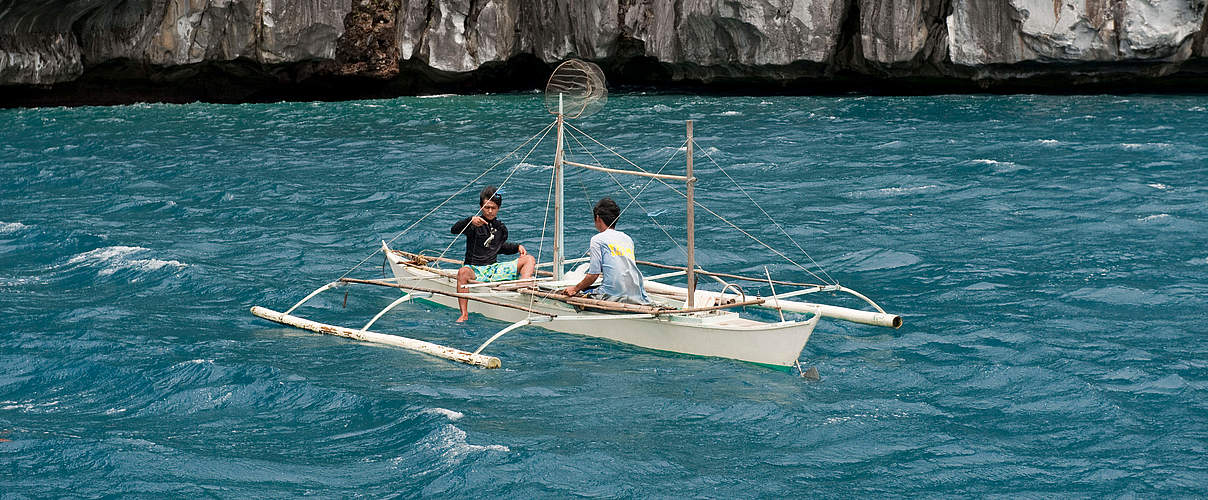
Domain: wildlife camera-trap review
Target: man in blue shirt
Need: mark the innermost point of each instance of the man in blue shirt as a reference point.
(611, 255)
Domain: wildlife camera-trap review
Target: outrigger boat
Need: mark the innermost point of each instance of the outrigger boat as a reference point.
(681, 319)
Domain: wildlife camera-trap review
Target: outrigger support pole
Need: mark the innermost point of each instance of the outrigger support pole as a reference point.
(319, 290)
(406, 297)
(511, 327)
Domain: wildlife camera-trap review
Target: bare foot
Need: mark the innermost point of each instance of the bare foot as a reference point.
(462, 319)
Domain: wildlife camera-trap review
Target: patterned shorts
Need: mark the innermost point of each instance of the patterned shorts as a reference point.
(499, 271)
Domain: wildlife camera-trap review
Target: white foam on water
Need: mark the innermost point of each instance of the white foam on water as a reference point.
(1146, 146)
(449, 414)
(434, 96)
(29, 405)
(904, 190)
(11, 227)
(1158, 186)
(1153, 217)
(14, 282)
(453, 441)
(983, 161)
(529, 166)
(731, 113)
(116, 258)
(105, 253)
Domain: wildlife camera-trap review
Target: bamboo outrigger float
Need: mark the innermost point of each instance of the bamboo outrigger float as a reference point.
(679, 319)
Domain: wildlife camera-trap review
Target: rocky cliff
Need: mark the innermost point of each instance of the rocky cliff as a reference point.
(258, 49)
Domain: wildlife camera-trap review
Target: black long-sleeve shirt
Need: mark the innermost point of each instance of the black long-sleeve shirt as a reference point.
(485, 241)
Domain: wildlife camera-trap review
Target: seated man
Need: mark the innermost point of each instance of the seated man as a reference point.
(486, 236)
(611, 255)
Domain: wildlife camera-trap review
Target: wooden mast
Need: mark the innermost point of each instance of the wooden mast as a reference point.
(691, 267)
(558, 222)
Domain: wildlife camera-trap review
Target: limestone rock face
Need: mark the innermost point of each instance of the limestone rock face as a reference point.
(983, 32)
(45, 42)
(898, 31)
(724, 32)
(267, 31)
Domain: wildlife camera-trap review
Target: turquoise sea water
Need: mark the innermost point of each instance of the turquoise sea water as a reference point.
(1049, 256)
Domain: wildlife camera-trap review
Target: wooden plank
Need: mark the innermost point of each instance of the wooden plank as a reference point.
(494, 284)
(752, 302)
(442, 272)
(732, 276)
(607, 305)
(468, 296)
(437, 350)
(627, 172)
(632, 308)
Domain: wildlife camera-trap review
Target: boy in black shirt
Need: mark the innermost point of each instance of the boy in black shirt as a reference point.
(486, 236)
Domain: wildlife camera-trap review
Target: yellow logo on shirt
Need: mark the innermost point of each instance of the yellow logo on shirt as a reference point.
(621, 251)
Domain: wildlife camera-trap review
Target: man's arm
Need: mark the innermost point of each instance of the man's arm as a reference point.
(460, 226)
(587, 280)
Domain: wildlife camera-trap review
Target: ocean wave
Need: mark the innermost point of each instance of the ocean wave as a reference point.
(449, 414)
(877, 259)
(451, 442)
(894, 191)
(1158, 186)
(999, 166)
(526, 166)
(29, 406)
(11, 227)
(1149, 146)
(1149, 218)
(117, 258)
(17, 282)
(1120, 295)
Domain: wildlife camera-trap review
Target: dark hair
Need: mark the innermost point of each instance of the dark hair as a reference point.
(608, 211)
(490, 193)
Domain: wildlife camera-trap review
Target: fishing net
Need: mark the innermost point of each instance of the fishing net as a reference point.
(581, 86)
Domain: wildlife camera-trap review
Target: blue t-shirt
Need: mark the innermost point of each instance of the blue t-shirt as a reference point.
(611, 254)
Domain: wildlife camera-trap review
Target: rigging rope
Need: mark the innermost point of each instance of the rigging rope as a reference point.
(707, 209)
(632, 198)
(549, 197)
(499, 188)
(765, 212)
(542, 133)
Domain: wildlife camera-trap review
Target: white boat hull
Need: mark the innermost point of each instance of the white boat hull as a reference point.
(717, 333)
